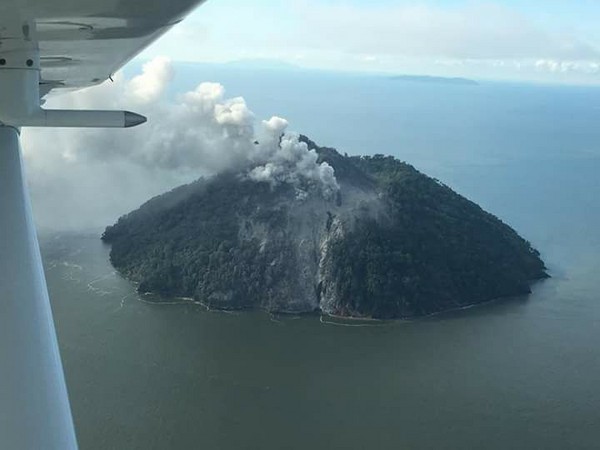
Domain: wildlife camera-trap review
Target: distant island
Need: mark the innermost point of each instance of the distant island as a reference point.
(434, 80)
(391, 243)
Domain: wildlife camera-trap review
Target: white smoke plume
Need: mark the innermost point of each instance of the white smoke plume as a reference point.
(88, 178)
(284, 159)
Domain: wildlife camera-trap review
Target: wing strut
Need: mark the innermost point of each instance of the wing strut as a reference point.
(34, 407)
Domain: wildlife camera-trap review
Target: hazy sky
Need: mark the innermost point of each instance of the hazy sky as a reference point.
(550, 40)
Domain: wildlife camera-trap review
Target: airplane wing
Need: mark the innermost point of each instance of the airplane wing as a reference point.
(83, 42)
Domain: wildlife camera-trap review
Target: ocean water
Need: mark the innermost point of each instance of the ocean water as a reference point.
(519, 373)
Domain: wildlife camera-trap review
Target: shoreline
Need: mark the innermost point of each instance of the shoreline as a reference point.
(323, 316)
(181, 300)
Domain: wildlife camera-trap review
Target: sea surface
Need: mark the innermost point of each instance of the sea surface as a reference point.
(522, 373)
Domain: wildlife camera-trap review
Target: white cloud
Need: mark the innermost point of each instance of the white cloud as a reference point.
(151, 83)
(475, 31)
(558, 66)
(466, 38)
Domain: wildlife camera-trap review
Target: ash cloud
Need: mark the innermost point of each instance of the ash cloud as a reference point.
(87, 178)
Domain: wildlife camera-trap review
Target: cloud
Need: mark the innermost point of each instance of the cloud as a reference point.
(473, 31)
(460, 38)
(87, 178)
(558, 66)
(151, 83)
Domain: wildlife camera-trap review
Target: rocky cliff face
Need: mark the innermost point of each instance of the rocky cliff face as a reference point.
(390, 243)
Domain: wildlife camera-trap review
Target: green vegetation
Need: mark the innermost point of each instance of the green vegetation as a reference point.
(437, 251)
(395, 243)
(186, 242)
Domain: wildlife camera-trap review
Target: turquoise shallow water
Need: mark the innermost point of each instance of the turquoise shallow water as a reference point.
(520, 373)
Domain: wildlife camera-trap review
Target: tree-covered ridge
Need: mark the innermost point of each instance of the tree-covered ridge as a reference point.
(395, 243)
(189, 245)
(439, 250)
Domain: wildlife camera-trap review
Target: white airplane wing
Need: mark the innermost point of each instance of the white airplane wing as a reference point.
(48, 45)
(83, 42)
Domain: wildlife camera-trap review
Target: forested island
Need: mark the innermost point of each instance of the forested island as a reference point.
(391, 242)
